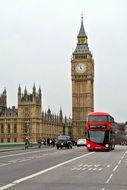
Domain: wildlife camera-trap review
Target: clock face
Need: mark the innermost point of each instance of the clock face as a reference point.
(80, 68)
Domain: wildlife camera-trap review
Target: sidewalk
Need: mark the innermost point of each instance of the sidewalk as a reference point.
(17, 146)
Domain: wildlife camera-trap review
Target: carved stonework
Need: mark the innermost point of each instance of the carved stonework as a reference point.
(82, 74)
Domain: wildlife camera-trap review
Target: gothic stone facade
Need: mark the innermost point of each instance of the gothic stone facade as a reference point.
(28, 120)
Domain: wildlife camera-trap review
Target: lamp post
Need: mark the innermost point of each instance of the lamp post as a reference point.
(27, 130)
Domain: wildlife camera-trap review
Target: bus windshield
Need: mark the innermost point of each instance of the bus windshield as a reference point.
(97, 118)
(98, 136)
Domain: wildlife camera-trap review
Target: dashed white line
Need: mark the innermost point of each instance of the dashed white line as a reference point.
(109, 178)
(119, 162)
(115, 168)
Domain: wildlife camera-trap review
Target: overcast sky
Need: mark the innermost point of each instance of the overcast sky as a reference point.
(37, 38)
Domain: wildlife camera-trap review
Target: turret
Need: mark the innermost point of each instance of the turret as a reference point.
(34, 90)
(3, 101)
(5, 97)
(40, 95)
(61, 116)
(25, 92)
(19, 93)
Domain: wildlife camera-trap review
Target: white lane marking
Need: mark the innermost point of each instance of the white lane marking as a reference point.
(7, 186)
(84, 168)
(95, 169)
(115, 168)
(75, 168)
(119, 162)
(4, 164)
(21, 160)
(80, 165)
(14, 161)
(87, 168)
(24, 160)
(97, 165)
(86, 165)
(108, 166)
(11, 155)
(109, 178)
(78, 168)
(43, 171)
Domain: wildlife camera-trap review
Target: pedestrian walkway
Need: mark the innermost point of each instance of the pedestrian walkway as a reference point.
(18, 146)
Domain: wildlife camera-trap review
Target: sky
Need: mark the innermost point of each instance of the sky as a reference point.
(38, 37)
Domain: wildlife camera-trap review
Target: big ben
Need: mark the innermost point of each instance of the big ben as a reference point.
(82, 75)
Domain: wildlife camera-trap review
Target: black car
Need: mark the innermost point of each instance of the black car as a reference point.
(63, 141)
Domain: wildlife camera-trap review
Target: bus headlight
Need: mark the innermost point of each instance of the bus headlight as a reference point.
(107, 145)
(88, 145)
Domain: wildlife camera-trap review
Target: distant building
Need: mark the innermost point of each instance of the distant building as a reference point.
(121, 133)
(28, 120)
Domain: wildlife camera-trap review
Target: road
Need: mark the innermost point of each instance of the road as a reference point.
(73, 169)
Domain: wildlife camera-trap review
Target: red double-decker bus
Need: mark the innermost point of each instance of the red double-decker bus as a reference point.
(100, 133)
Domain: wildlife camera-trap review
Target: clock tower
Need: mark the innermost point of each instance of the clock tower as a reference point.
(82, 75)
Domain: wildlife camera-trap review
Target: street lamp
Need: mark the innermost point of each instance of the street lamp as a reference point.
(27, 129)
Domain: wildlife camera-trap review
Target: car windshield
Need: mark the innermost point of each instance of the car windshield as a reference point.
(63, 138)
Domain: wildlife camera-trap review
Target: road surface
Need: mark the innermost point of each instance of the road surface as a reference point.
(73, 169)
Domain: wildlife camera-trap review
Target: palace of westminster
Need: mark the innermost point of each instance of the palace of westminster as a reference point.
(29, 121)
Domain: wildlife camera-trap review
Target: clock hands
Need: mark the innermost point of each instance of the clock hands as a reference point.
(80, 68)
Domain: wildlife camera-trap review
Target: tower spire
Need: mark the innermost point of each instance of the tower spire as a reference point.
(82, 30)
(82, 16)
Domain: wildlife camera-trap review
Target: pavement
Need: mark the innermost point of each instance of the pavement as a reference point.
(3, 149)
